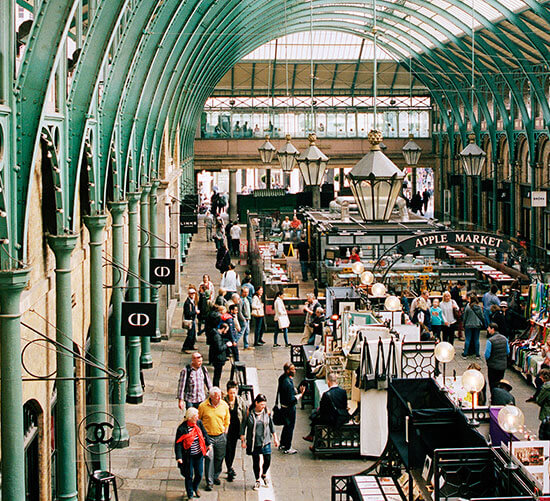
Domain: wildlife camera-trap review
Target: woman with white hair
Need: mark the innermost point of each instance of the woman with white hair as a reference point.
(192, 444)
(450, 313)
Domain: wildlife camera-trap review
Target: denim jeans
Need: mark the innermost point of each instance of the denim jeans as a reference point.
(305, 266)
(193, 474)
(245, 330)
(471, 343)
(288, 428)
(276, 334)
(258, 329)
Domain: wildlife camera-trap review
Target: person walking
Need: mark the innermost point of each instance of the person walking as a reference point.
(303, 254)
(257, 434)
(208, 225)
(220, 298)
(425, 295)
(456, 294)
(223, 259)
(217, 353)
(192, 444)
(193, 384)
(258, 313)
(209, 286)
(237, 412)
(496, 355)
(190, 312)
(203, 307)
(488, 299)
(230, 281)
(473, 322)
(235, 234)
(214, 413)
(423, 318)
(450, 312)
(218, 236)
(245, 315)
(436, 319)
(281, 319)
(288, 397)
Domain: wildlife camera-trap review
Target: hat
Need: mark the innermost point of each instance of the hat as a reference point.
(505, 384)
(503, 304)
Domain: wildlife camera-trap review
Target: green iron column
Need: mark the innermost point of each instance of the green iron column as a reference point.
(155, 243)
(12, 284)
(96, 225)
(135, 391)
(118, 345)
(146, 359)
(63, 246)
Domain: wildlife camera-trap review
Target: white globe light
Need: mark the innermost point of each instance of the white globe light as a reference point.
(358, 268)
(444, 352)
(367, 278)
(392, 303)
(511, 418)
(378, 290)
(473, 380)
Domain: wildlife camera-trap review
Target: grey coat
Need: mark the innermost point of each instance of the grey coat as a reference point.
(473, 317)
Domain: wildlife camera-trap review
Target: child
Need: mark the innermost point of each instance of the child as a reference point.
(437, 319)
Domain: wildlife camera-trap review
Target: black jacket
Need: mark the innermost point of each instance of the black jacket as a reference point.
(317, 324)
(287, 392)
(500, 396)
(217, 353)
(223, 259)
(182, 453)
(189, 310)
(333, 408)
(303, 251)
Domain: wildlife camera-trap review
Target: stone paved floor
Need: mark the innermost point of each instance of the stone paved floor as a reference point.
(147, 470)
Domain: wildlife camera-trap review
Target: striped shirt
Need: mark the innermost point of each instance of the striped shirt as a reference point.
(195, 447)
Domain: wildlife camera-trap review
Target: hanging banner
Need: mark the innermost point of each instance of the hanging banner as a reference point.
(162, 271)
(138, 319)
(444, 238)
(189, 222)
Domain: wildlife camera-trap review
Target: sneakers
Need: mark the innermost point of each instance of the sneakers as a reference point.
(281, 448)
(290, 451)
(256, 486)
(231, 475)
(276, 344)
(264, 478)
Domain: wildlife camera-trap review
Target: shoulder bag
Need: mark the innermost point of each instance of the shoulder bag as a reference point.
(381, 367)
(279, 415)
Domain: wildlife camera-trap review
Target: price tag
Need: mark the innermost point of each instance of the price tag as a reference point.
(428, 269)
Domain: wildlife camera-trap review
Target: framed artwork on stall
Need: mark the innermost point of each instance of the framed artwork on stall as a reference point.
(328, 344)
(346, 305)
(427, 470)
(533, 455)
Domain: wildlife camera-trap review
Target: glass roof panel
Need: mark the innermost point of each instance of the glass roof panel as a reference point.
(327, 46)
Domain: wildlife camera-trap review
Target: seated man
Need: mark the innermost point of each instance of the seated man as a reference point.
(501, 394)
(333, 408)
(317, 324)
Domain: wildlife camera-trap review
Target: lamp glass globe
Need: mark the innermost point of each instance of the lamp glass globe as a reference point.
(378, 290)
(358, 268)
(511, 418)
(444, 352)
(392, 303)
(367, 278)
(473, 380)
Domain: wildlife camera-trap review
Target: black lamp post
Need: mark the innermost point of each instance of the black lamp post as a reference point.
(375, 182)
(411, 154)
(267, 152)
(313, 165)
(473, 159)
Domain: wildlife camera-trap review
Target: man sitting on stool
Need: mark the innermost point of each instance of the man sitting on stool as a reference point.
(501, 393)
(333, 408)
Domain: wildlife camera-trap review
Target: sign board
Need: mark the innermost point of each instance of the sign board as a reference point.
(189, 222)
(138, 319)
(444, 238)
(538, 199)
(457, 274)
(162, 271)
(428, 269)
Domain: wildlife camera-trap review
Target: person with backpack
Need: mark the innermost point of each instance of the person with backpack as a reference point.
(474, 321)
(220, 342)
(194, 382)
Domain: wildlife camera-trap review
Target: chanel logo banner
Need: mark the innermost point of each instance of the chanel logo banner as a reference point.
(138, 319)
(162, 271)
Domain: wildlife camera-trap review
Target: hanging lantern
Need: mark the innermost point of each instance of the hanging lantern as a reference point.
(267, 151)
(411, 152)
(367, 278)
(378, 290)
(392, 303)
(473, 158)
(358, 268)
(375, 182)
(312, 163)
(287, 155)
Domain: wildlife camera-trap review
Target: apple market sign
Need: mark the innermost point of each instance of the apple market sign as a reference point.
(442, 239)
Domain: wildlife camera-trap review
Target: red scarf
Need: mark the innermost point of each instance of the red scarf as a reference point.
(189, 438)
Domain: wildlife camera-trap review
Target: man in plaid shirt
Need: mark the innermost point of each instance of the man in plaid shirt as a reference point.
(193, 384)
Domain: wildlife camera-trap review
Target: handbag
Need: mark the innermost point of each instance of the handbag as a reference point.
(353, 359)
(381, 376)
(187, 324)
(283, 321)
(279, 415)
(366, 379)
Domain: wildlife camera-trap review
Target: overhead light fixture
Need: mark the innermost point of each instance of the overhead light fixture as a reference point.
(267, 151)
(411, 152)
(313, 165)
(473, 158)
(375, 182)
(287, 155)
